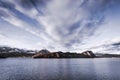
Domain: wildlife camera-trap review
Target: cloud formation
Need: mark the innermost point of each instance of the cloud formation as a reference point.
(59, 24)
(110, 46)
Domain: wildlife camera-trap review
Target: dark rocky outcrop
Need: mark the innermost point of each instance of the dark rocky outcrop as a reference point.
(13, 54)
(2, 56)
(89, 54)
(86, 54)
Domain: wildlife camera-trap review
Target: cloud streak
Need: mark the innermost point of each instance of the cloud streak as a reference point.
(59, 25)
(110, 46)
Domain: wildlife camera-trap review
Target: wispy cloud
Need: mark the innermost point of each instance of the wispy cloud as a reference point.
(59, 25)
(110, 46)
(69, 22)
(3, 35)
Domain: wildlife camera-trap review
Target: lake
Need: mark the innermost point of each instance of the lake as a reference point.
(60, 69)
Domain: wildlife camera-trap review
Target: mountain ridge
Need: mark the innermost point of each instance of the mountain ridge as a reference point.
(6, 52)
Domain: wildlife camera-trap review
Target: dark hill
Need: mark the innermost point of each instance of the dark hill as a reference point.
(86, 54)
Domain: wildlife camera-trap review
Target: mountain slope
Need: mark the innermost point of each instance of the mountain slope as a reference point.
(86, 54)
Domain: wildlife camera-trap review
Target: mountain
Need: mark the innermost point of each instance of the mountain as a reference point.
(43, 51)
(89, 54)
(86, 54)
(101, 55)
(11, 50)
(15, 52)
(6, 52)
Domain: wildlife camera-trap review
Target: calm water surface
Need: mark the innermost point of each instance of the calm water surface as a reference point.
(60, 69)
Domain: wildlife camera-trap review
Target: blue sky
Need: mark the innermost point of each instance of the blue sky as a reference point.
(67, 25)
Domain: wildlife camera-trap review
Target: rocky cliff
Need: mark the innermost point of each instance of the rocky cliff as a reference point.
(86, 54)
(6, 52)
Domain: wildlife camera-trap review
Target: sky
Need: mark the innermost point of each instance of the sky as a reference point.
(61, 25)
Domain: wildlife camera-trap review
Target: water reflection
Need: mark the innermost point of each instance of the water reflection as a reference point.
(59, 69)
(108, 69)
